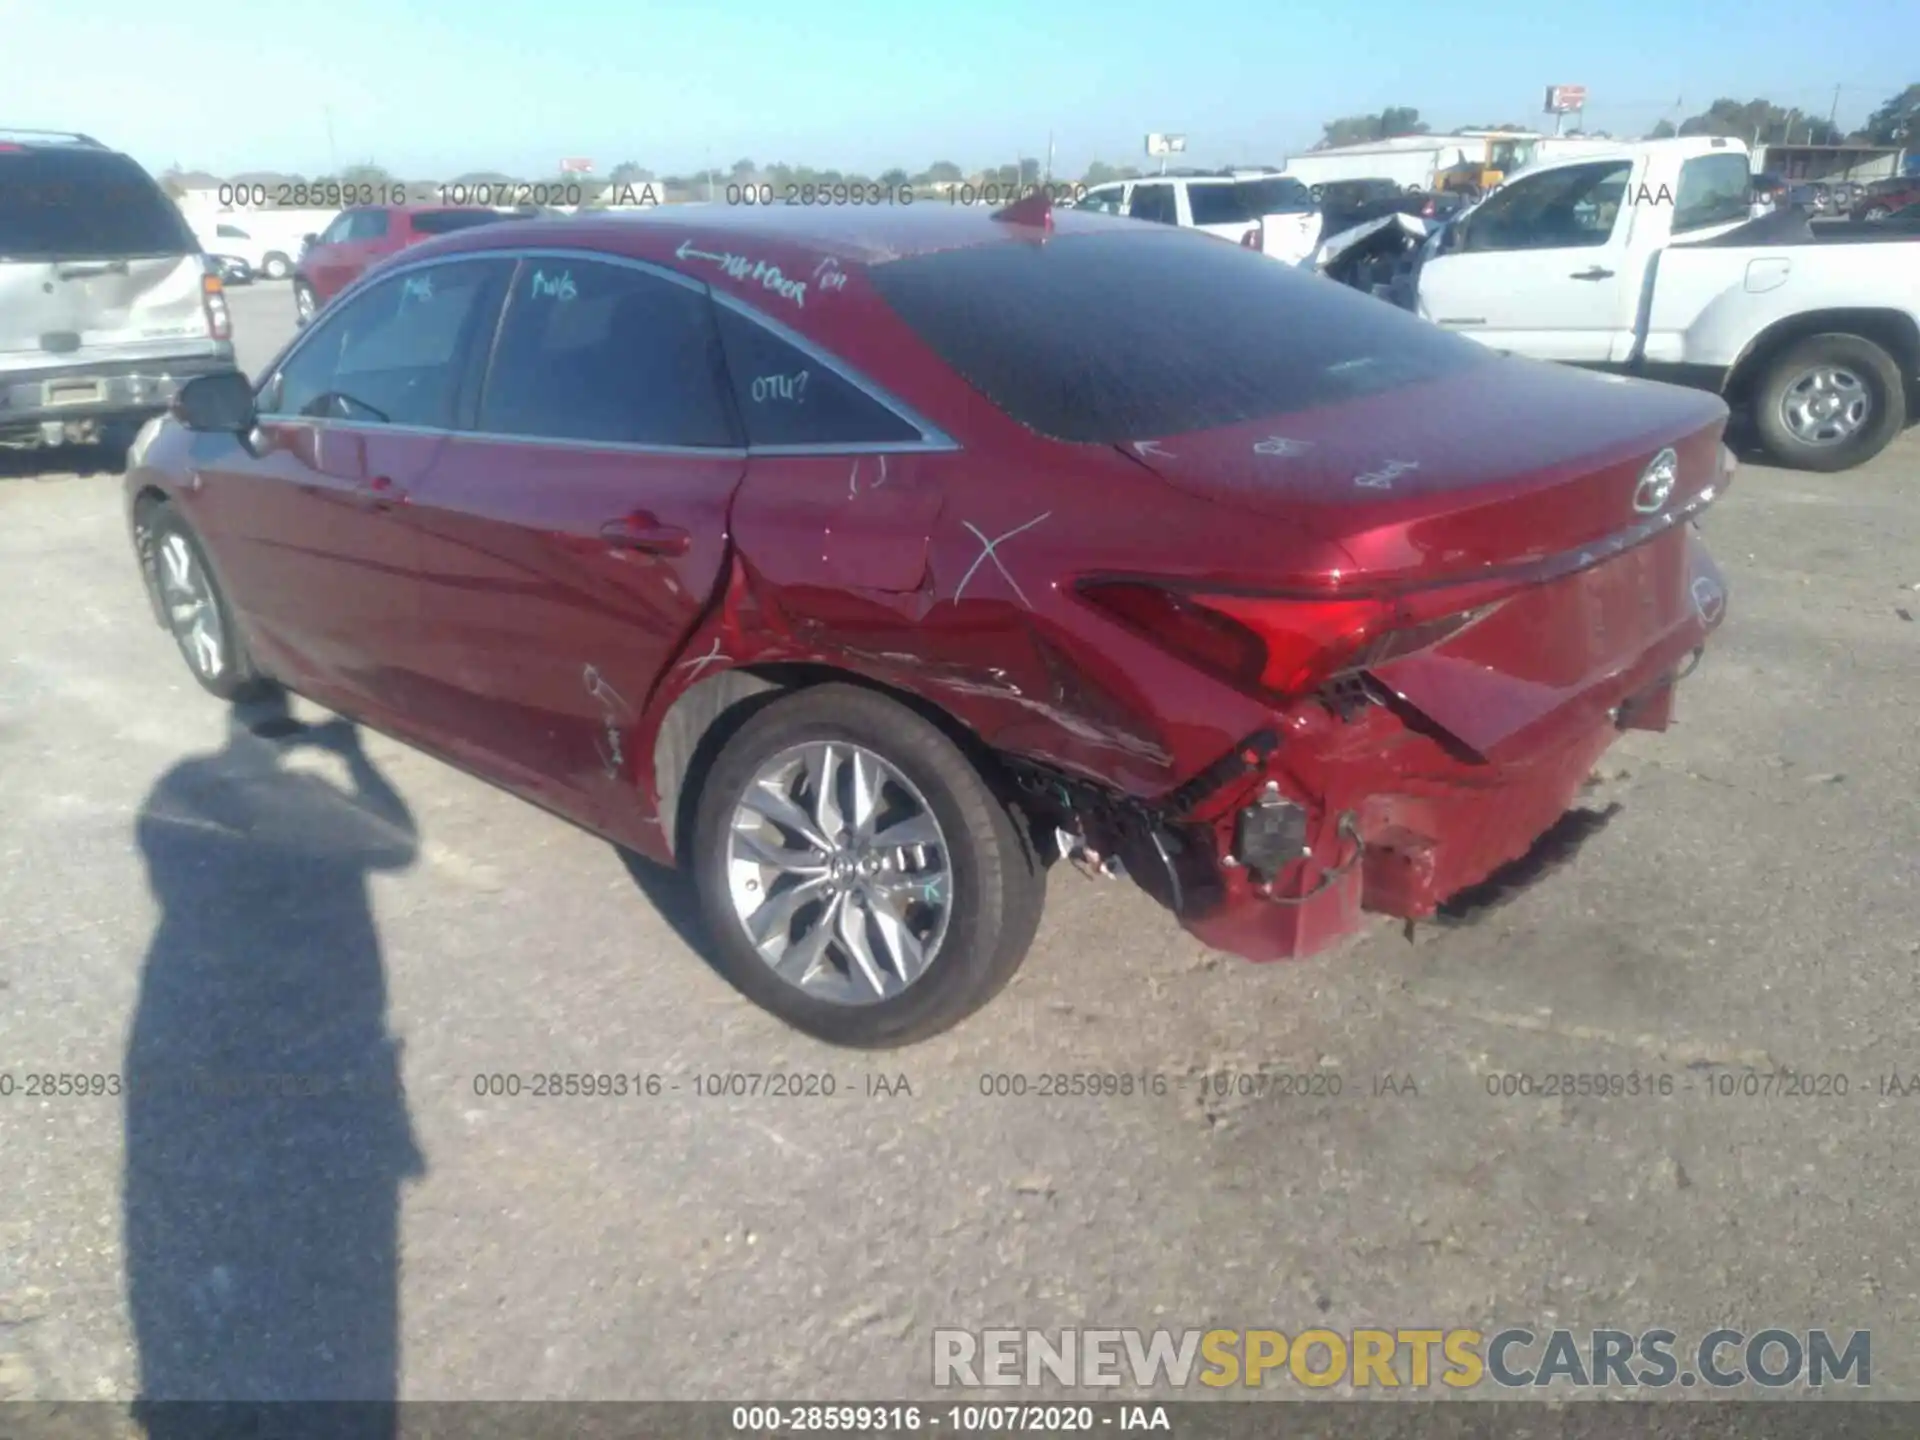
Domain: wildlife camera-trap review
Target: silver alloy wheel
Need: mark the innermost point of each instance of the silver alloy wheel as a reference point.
(192, 612)
(277, 268)
(303, 302)
(839, 873)
(1878, 212)
(1825, 405)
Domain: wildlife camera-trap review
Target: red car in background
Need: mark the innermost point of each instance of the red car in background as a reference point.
(862, 562)
(366, 234)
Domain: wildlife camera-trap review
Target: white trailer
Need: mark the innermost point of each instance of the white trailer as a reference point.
(1416, 162)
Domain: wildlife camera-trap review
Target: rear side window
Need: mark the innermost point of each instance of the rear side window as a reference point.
(80, 204)
(606, 354)
(230, 232)
(444, 222)
(1154, 202)
(1278, 196)
(1713, 190)
(1218, 205)
(1209, 334)
(786, 397)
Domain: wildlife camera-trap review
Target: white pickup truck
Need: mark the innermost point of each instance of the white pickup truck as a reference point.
(1644, 259)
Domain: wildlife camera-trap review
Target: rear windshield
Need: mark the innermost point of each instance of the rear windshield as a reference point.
(1244, 201)
(444, 222)
(1103, 339)
(85, 205)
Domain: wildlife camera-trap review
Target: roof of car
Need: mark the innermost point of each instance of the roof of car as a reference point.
(856, 234)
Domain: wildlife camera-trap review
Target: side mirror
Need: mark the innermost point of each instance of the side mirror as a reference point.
(309, 239)
(219, 404)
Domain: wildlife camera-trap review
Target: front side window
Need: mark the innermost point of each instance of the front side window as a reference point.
(786, 397)
(337, 228)
(1572, 207)
(367, 225)
(604, 353)
(395, 354)
(1105, 199)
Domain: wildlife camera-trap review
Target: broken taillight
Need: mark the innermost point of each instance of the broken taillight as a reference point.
(1290, 647)
(214, 299)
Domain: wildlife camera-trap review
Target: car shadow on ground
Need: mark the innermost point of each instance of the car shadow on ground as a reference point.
(670, 892)
(267, 1130)
(61, 461)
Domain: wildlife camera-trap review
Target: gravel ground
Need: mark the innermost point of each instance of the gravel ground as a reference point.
(1754, 905)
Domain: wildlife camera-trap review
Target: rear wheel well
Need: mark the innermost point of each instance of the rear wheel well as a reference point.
(698, 725)
(1892, 330)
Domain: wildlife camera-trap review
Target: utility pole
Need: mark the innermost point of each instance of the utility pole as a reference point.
(1833, 110)
(1049, 179)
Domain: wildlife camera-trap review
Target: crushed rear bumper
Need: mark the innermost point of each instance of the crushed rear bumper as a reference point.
(1398, 818)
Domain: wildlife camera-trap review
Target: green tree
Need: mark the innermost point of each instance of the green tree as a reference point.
(945, 172)
(894, 179)
(365, 173)
(1760, 122)
(628, 173)
(1029, 171)
(1662, 131)
(1897, 122)
(1357, 129)
(1099, 173)
(743, 170)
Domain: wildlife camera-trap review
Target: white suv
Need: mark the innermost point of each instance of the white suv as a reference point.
(1274, 214)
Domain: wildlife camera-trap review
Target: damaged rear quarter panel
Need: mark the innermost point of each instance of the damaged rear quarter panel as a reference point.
(953, 577)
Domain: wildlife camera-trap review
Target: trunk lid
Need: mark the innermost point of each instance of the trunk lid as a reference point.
(1518, 481)
(69, 312)
(1491, 467)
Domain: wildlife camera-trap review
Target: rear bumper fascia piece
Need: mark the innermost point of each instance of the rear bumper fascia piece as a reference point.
(100, 390)
(1402, 820)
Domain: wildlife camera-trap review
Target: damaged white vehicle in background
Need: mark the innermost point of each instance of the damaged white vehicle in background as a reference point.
(1274, 214)
(1644, 259)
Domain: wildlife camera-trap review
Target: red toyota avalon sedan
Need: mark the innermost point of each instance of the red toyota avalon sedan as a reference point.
(862, 563)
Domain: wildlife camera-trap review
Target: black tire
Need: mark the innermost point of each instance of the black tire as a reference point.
(999, 884)
(276, 266)
(238, 680)
(1877, 371)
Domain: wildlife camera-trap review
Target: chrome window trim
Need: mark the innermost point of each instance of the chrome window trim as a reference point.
(933, 440)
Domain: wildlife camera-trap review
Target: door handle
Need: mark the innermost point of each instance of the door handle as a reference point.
(644, 533)
(380, 493)
(1596, 273)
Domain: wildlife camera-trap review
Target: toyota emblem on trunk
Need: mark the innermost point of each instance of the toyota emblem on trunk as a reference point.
(1656, 482)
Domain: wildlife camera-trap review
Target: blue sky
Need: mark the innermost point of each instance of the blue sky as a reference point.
(431, 89)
